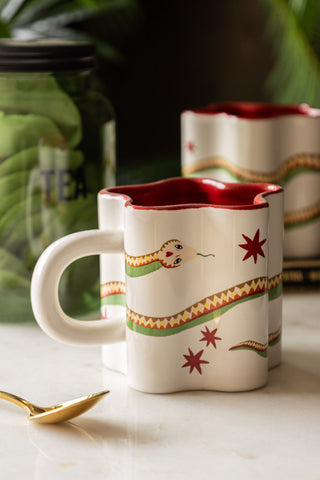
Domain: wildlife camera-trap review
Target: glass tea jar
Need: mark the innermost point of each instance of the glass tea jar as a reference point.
(57, 150)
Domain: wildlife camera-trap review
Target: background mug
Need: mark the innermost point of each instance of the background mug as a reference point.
(258, 142)
(191, 284)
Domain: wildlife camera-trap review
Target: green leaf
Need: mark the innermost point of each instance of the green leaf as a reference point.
(295, 77)
(15, 306)
(9, 8)
(30, 10)
(107, 23)
(23, 131)
(4, 30)
(10, 279)
(61, 13)
(307, 14)
(12, 263)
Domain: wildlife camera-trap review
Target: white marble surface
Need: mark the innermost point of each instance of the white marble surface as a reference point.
(269, 433)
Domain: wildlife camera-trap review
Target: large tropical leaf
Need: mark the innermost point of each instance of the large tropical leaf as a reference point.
(4, 30)
(292, 28)
(97, 20)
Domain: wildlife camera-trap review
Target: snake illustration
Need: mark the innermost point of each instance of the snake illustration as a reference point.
(172, 254)
(205, 309)
(293, 166)
(113, 293)
(259, 348)
(289, 168)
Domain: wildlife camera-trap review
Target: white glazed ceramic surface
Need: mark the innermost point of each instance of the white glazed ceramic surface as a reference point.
(197, 284)
(262, 143)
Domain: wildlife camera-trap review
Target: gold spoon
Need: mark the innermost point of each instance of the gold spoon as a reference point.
(57, 413)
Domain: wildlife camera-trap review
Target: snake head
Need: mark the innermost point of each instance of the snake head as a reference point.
(174, 253)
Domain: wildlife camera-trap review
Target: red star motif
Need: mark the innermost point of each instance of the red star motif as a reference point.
(190, 146)
(194, 361)
(253, 246)
(209, 337)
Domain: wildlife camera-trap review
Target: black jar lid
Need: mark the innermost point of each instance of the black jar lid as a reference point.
(45, 55)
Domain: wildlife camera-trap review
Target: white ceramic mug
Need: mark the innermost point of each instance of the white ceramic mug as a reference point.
(256, 142)
(191, 284)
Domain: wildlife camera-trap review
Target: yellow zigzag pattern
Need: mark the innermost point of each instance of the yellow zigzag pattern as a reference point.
(303, 160)
(142, 260)
(275, 281)
(112, 288)
(302, 215)
(259, 347)
(207, 305)
(274, 335)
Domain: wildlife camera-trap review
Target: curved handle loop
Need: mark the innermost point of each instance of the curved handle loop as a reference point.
(45, 284)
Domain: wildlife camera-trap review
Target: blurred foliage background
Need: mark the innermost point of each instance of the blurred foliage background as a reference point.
(108, 23)
(157, 58)
(294, 34)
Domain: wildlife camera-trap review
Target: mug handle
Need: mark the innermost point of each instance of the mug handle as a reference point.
(45, 284)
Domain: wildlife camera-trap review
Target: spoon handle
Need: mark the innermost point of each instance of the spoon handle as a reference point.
(21, 402)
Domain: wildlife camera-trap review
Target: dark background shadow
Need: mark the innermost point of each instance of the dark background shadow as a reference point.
(184, 54)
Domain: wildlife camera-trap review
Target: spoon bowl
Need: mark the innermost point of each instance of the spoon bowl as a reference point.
(56, 413)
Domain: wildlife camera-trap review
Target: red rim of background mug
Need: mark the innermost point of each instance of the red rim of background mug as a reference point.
(256, 111)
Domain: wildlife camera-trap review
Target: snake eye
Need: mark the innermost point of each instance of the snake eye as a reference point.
(178, 246)
(177, 261)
